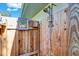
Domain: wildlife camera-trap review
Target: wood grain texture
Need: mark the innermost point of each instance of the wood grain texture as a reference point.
(74, 29)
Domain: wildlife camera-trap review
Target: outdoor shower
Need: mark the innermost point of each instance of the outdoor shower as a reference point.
(49, 11)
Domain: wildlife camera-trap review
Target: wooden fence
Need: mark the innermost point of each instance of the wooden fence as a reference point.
(20, 42)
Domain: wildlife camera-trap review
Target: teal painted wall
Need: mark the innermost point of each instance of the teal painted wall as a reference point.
(41, 15)
(31, 9)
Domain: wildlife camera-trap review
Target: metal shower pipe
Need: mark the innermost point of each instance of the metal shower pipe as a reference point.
(49, 11)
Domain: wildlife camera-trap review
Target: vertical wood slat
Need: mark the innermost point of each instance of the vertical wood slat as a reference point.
(3, 41)
(20, 36)
(0, 43)
(16, 43)
(25, 41)
(36, 40)
(0, 46)
(31, 40)
(73, 35)
(44, 41)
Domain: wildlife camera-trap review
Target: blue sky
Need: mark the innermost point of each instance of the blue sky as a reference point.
(13, 8)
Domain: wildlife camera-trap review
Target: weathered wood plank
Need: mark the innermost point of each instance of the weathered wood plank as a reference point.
(74, 29)
(44, 41)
